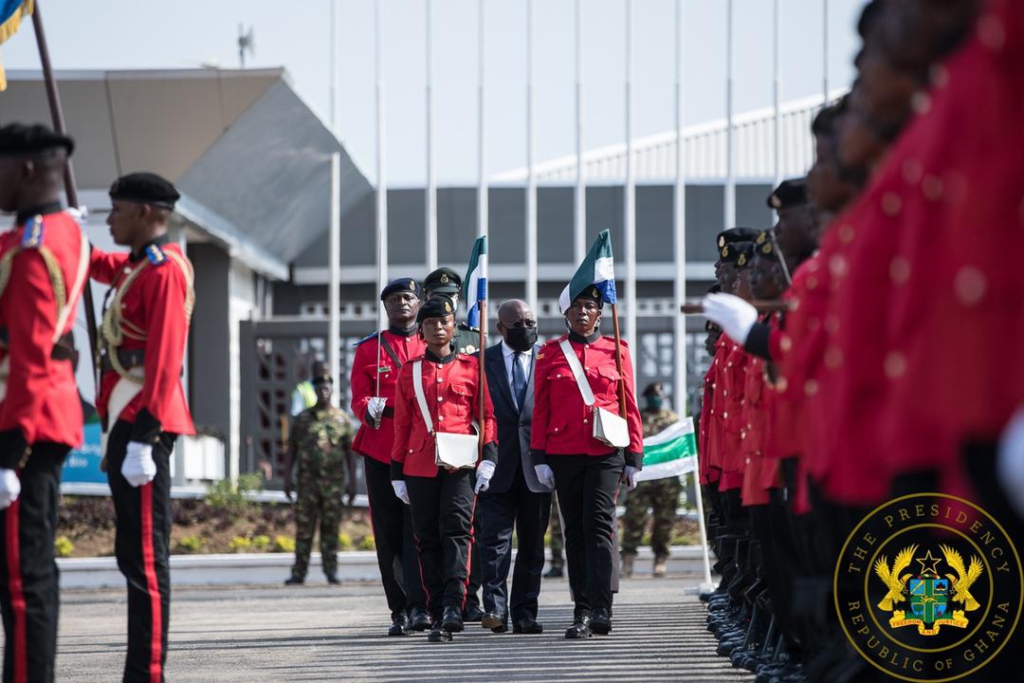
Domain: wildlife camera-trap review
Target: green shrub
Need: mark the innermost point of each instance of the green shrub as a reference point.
(239, 544)
(345, 541)
(368, 543)
(260, 542)
(284, 544)
(230, 496)
(63, 547)
(190, 544)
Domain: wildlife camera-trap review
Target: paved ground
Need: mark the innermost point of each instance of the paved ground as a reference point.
(318, 633)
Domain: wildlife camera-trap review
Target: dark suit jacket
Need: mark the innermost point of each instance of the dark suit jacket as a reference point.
(513, 425)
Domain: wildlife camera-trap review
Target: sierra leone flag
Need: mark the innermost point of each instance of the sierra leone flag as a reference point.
(671, 452)
(12, 12)
(597, 270)
(474, 287)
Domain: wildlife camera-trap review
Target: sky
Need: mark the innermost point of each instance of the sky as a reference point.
(146, 34)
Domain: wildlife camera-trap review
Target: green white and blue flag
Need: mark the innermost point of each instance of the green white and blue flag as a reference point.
(474, 286)
(597, 270)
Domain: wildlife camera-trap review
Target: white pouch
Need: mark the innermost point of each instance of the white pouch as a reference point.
(455, 451)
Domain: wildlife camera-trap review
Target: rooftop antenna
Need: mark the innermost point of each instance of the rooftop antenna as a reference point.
(246, 43)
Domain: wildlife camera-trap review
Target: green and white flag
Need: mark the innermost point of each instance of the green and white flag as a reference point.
(597, 270)
(671, 452)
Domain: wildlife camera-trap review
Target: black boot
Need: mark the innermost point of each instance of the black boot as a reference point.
(452, 620)
(419, 619)
(438, 634)
(399, 625)
(601, 621)
(580, 626)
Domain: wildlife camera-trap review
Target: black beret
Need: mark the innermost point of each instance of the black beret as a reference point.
(736, 235)
(792, 192)
(435, 307)
(402, 284)
(320, 373)
(20, 139)
(145, 188)
(653, 389)
(764, 245)
(591, 293)
(443, 280)
(738, 253)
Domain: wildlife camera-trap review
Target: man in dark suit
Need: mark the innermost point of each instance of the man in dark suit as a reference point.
(515, 495)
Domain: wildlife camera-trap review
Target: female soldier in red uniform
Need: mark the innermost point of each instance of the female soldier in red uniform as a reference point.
(586, 471)
(442, 498)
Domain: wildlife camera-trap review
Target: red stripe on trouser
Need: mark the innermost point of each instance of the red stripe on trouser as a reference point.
(14, 585)
(148, 563)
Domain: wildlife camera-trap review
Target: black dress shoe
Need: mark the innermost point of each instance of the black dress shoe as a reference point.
(601, 621)
(495, 621)
(399, 625)
(294, 581)
(332, 579)
(438, 634)
(528, 626)
(580, 628)
(419, 619)
(473, 614)
(553, 573)
(452, 620)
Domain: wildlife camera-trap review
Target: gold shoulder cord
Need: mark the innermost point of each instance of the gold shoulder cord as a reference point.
(115, 328)
(52, 269)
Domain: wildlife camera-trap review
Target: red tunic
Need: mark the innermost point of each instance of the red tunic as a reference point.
(710, 468)
(452, 394)
(42, 397)
(155, 303)
(562, 422)
(733, 419)
(758, 472)
(370, 441)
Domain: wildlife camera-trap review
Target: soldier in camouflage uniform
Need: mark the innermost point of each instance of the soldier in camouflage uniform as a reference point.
(321, 444)
(660, 495)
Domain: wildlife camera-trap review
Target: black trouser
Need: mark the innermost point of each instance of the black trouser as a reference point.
(442, 518)
(29, 591)
(393, 534)
(142, 547)
(587, 486)
(497, 513)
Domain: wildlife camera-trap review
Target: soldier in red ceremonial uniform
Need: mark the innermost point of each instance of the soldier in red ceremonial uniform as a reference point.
(142, 402)
(378, 361)
(586, 471)
(43, 268)
(439, 395)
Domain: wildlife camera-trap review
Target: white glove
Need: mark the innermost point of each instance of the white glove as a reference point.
(484, 472)
(630, 476)
(734, 315)
(1010, 462)
(10, 488)
(401, 490)
(545, 475)
(376, 407)
(138, 466)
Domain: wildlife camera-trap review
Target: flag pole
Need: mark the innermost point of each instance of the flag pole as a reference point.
(382, 189)
(57, 114)
(482, 377)
(618, 361)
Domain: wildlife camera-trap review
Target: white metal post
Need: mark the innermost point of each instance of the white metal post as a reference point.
(776, 94)
(531, 181)
(481, 203)
(334, 295)
(824, 54)
(431, 199)
(630, 197)
(730, 172)
(382, 183)
(580, 197)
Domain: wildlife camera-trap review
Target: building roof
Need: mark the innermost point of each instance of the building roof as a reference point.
(250, 158)
(705, 147)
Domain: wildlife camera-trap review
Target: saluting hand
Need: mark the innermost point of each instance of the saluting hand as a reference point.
(735, 316)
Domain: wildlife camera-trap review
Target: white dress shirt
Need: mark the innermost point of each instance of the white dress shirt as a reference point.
(525, 361)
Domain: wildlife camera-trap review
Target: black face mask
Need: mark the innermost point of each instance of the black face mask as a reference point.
(521, 338)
